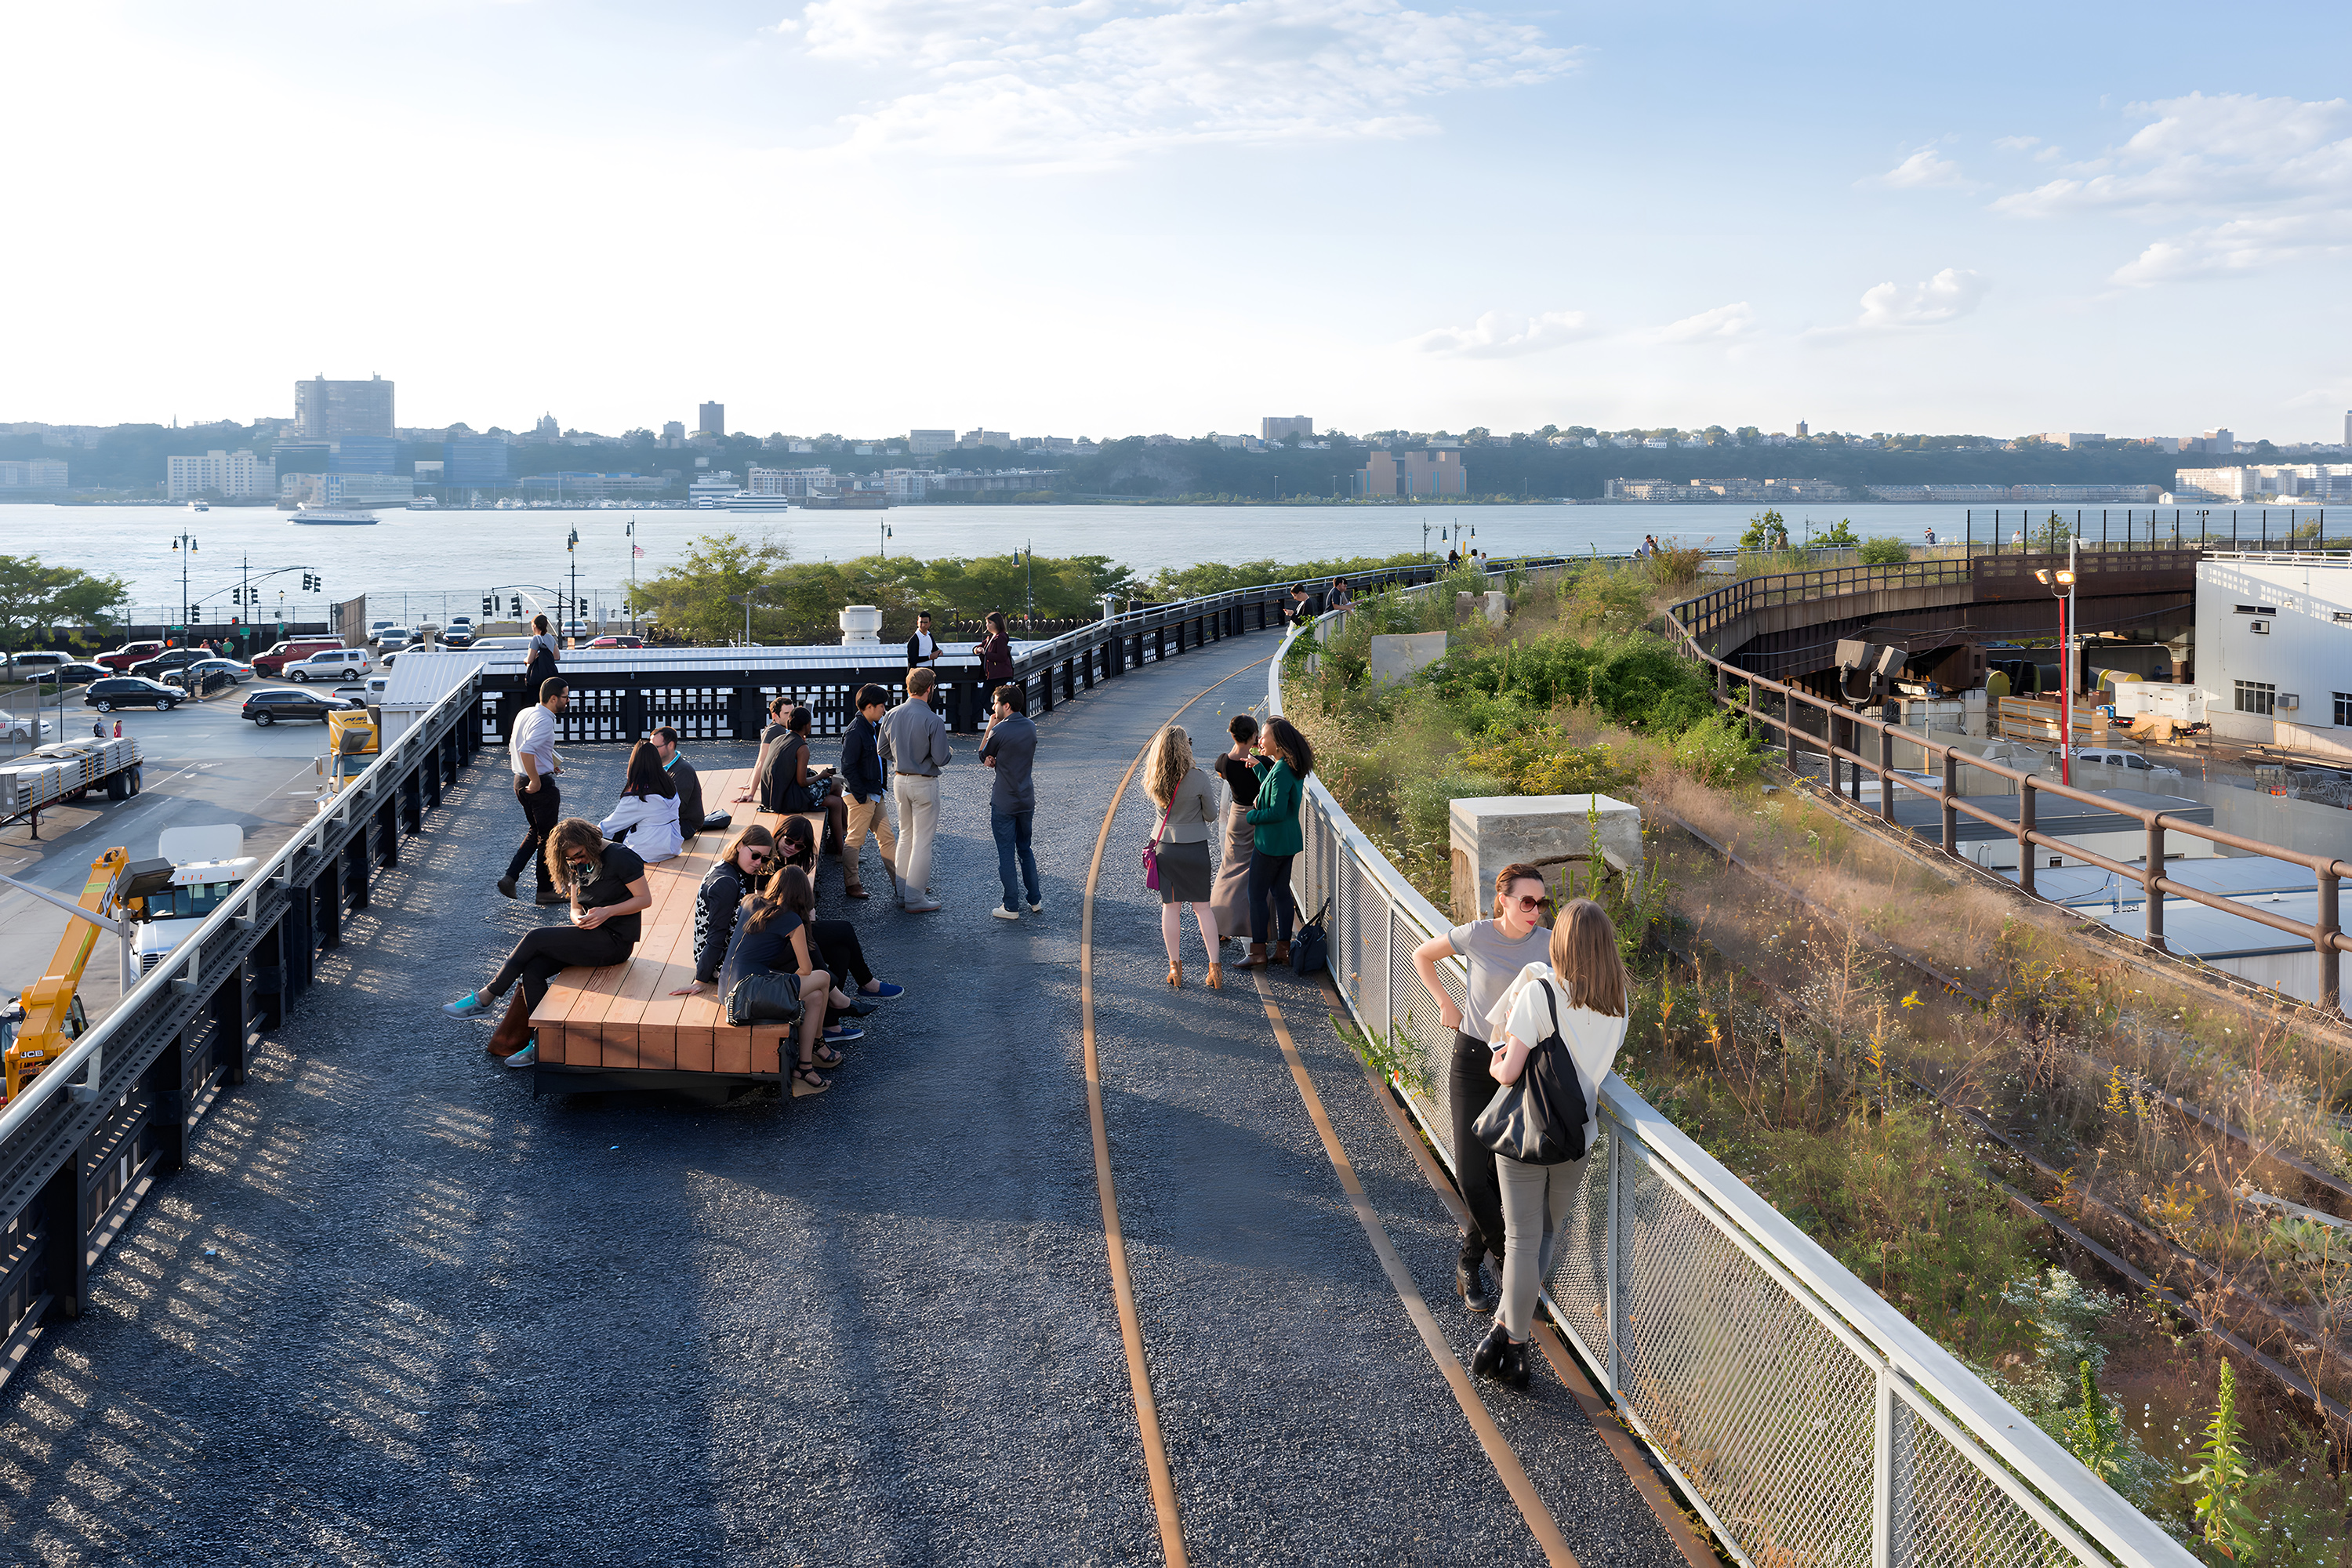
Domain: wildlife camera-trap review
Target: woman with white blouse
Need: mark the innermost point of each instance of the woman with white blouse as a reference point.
(646, 818)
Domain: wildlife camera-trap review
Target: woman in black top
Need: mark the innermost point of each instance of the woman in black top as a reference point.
(790, 786)
(1229, 899)
(837, 947)
(995, 651)
(724, 887)
(541, 663)
(606, 885)
(772, 938)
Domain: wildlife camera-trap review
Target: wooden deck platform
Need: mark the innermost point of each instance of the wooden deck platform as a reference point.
(621, 1024)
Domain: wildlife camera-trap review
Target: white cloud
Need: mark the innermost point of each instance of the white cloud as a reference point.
(2042, 152)
(1946, 297)
(1097, 83)
(2238, 247)
(1923, 170)
(1500, 334)
(1723, 322)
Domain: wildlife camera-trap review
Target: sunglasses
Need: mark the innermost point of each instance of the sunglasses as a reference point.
(759, 857)
(1527, 905)
(582, 862)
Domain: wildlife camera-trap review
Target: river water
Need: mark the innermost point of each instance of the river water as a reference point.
(412, 564)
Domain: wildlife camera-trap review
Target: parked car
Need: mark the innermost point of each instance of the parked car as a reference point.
(131, 691)
(276, 705)
(36, 666)
(340, 664)
(392, 637)
(77, 672)
(575, 629)
(275, 662)
(20, 726)
(459, 632)
(375, 629)
(209, 675)
(2117, 758)
(128, 654)
(170, 659)
(619, 641)
(492, 644)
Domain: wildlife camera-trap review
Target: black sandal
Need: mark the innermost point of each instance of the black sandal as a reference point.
(824, 1055)
(805, 1080)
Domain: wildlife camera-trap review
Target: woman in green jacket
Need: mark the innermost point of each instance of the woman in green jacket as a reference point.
(1283, 759)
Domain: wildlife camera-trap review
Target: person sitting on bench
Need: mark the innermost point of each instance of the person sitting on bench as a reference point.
(606, 885)
(646, 818)
(839, 948)
(691, 816)
(771, 930)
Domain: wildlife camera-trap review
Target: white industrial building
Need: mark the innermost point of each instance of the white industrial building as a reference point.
(231, 474)
(2274, 648)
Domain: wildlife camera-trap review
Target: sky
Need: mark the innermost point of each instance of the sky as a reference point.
(1110, 217)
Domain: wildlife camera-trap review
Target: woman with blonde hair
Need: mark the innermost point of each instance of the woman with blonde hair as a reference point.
(606, 885)
(1187, 798)
(1576, 1003)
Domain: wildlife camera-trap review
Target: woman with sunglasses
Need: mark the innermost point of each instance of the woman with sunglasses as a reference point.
(837, 947)
(1497, 949)
(770, 951)
(606, 885)
(724, 888)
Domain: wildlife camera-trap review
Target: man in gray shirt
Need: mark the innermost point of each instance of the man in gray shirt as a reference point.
(1010, 751)
(914, 741)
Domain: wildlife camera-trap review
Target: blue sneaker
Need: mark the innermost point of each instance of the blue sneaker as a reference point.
(469, 1006)
(842, 1034)
(526, 1057)
(885, 993)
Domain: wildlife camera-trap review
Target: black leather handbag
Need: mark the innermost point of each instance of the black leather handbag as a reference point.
(764, 998)
(1539, 1119)
(1310, 949)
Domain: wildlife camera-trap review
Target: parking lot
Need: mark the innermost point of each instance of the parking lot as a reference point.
(203, 764)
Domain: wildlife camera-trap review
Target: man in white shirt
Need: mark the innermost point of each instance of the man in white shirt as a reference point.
(531, 752)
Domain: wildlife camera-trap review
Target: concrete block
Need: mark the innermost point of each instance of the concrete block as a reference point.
(1553, 831)
(1498, 607)
(1402, 657)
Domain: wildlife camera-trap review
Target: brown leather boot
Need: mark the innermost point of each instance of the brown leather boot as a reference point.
(1256, 960)
(1175, 975)
(1282, 956)
(514, 1032)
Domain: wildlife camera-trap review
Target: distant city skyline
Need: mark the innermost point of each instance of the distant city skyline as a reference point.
(1143, 214)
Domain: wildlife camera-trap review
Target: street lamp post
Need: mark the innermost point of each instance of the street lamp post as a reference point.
(184, 546)
(571, 549)
(2061, 585)
(634, 552)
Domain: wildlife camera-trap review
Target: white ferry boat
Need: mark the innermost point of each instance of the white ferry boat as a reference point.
(319, 517)
(200, 506)
(713, 490)
(423, 503)
(745, 501)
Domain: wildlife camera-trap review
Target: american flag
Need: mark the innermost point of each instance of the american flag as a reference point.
(636, 550)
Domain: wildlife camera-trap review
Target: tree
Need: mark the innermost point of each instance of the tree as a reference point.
(693, 597)
(34, 597)
(1841, 534)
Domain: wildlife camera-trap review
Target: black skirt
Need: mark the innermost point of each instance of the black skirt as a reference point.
(1185, 874)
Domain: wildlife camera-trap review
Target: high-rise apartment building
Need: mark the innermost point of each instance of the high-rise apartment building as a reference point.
(1283, 427)
(330, 410)
(366, 455)
(1803, 430)
(474, 460)
(713, 421)
(1430, 473)
(928, 443)
(232, 475)
(33, 473)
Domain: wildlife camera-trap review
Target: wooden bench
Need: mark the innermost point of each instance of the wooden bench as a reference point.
(619, 1026)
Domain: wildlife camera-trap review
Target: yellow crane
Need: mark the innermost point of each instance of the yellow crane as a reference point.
(49, 1013)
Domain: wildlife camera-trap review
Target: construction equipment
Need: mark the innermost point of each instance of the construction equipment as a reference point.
(39, 1027)
(65, 771)
(355, 737)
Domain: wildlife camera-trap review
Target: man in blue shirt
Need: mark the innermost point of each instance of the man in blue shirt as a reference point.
(861, 777)
(1009, 753)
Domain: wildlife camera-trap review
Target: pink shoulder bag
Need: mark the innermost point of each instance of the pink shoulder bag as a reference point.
(1152, 857)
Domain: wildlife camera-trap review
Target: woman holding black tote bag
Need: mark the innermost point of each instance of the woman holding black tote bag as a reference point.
(1559, 1041)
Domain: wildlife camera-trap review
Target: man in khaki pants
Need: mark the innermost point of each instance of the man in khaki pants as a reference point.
(914, 742)
(861, 778)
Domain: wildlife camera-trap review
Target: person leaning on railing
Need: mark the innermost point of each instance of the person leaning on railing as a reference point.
(1497, 949)
(1285, 759)
(1579, 997)
(995, 651)
(606, 885)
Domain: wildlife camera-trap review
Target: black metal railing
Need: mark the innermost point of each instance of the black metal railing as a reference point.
(82, 1145)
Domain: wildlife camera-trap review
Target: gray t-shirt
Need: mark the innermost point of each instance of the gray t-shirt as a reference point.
(1494, 962)
(1014, 744)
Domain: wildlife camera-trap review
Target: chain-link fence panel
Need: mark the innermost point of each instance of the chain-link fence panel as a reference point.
(1947, 1512)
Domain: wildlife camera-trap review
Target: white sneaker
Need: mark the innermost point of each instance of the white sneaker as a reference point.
(1001, 912)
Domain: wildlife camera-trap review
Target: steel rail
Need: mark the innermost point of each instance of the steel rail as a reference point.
(1923, 1395)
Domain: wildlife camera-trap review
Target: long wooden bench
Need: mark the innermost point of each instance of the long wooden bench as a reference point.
(619, 1026)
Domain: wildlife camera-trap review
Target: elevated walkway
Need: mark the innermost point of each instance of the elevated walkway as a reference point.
(395, 1310)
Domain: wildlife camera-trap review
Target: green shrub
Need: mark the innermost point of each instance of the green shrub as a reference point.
(1718, 751)
(1884, 552)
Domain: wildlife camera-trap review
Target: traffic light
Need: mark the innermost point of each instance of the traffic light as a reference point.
(582, 609)
(489, 606)
(517, 603)
(309, 582)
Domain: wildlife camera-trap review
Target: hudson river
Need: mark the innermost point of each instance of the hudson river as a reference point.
(444, 562)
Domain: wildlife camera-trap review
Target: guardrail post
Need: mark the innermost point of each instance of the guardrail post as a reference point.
(1789, 723)
(2154, 904)
(1613, 1264)
(1722, 685)
(1882, 1474)
(2331, 957)
(65, 1250)
(329, 892)
(2026, 850)
(1951, 816)
(1885, 772)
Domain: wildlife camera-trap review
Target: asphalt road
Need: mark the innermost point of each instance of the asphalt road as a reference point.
(204, 764)
(396, 1311)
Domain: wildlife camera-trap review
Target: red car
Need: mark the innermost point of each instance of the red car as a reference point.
(618, 642)
(128, 654)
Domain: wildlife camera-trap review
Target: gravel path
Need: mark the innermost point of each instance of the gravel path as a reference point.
(395, 1310)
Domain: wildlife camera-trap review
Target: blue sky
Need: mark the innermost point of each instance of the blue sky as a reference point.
(1109, 216)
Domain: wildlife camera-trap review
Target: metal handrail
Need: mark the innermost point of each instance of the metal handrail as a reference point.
(2324, 933)
(181, 966)
(1922, 1394)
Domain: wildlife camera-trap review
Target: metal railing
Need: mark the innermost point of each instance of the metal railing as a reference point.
(83, 1143)
(1806, 1419)
(1840, 722)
